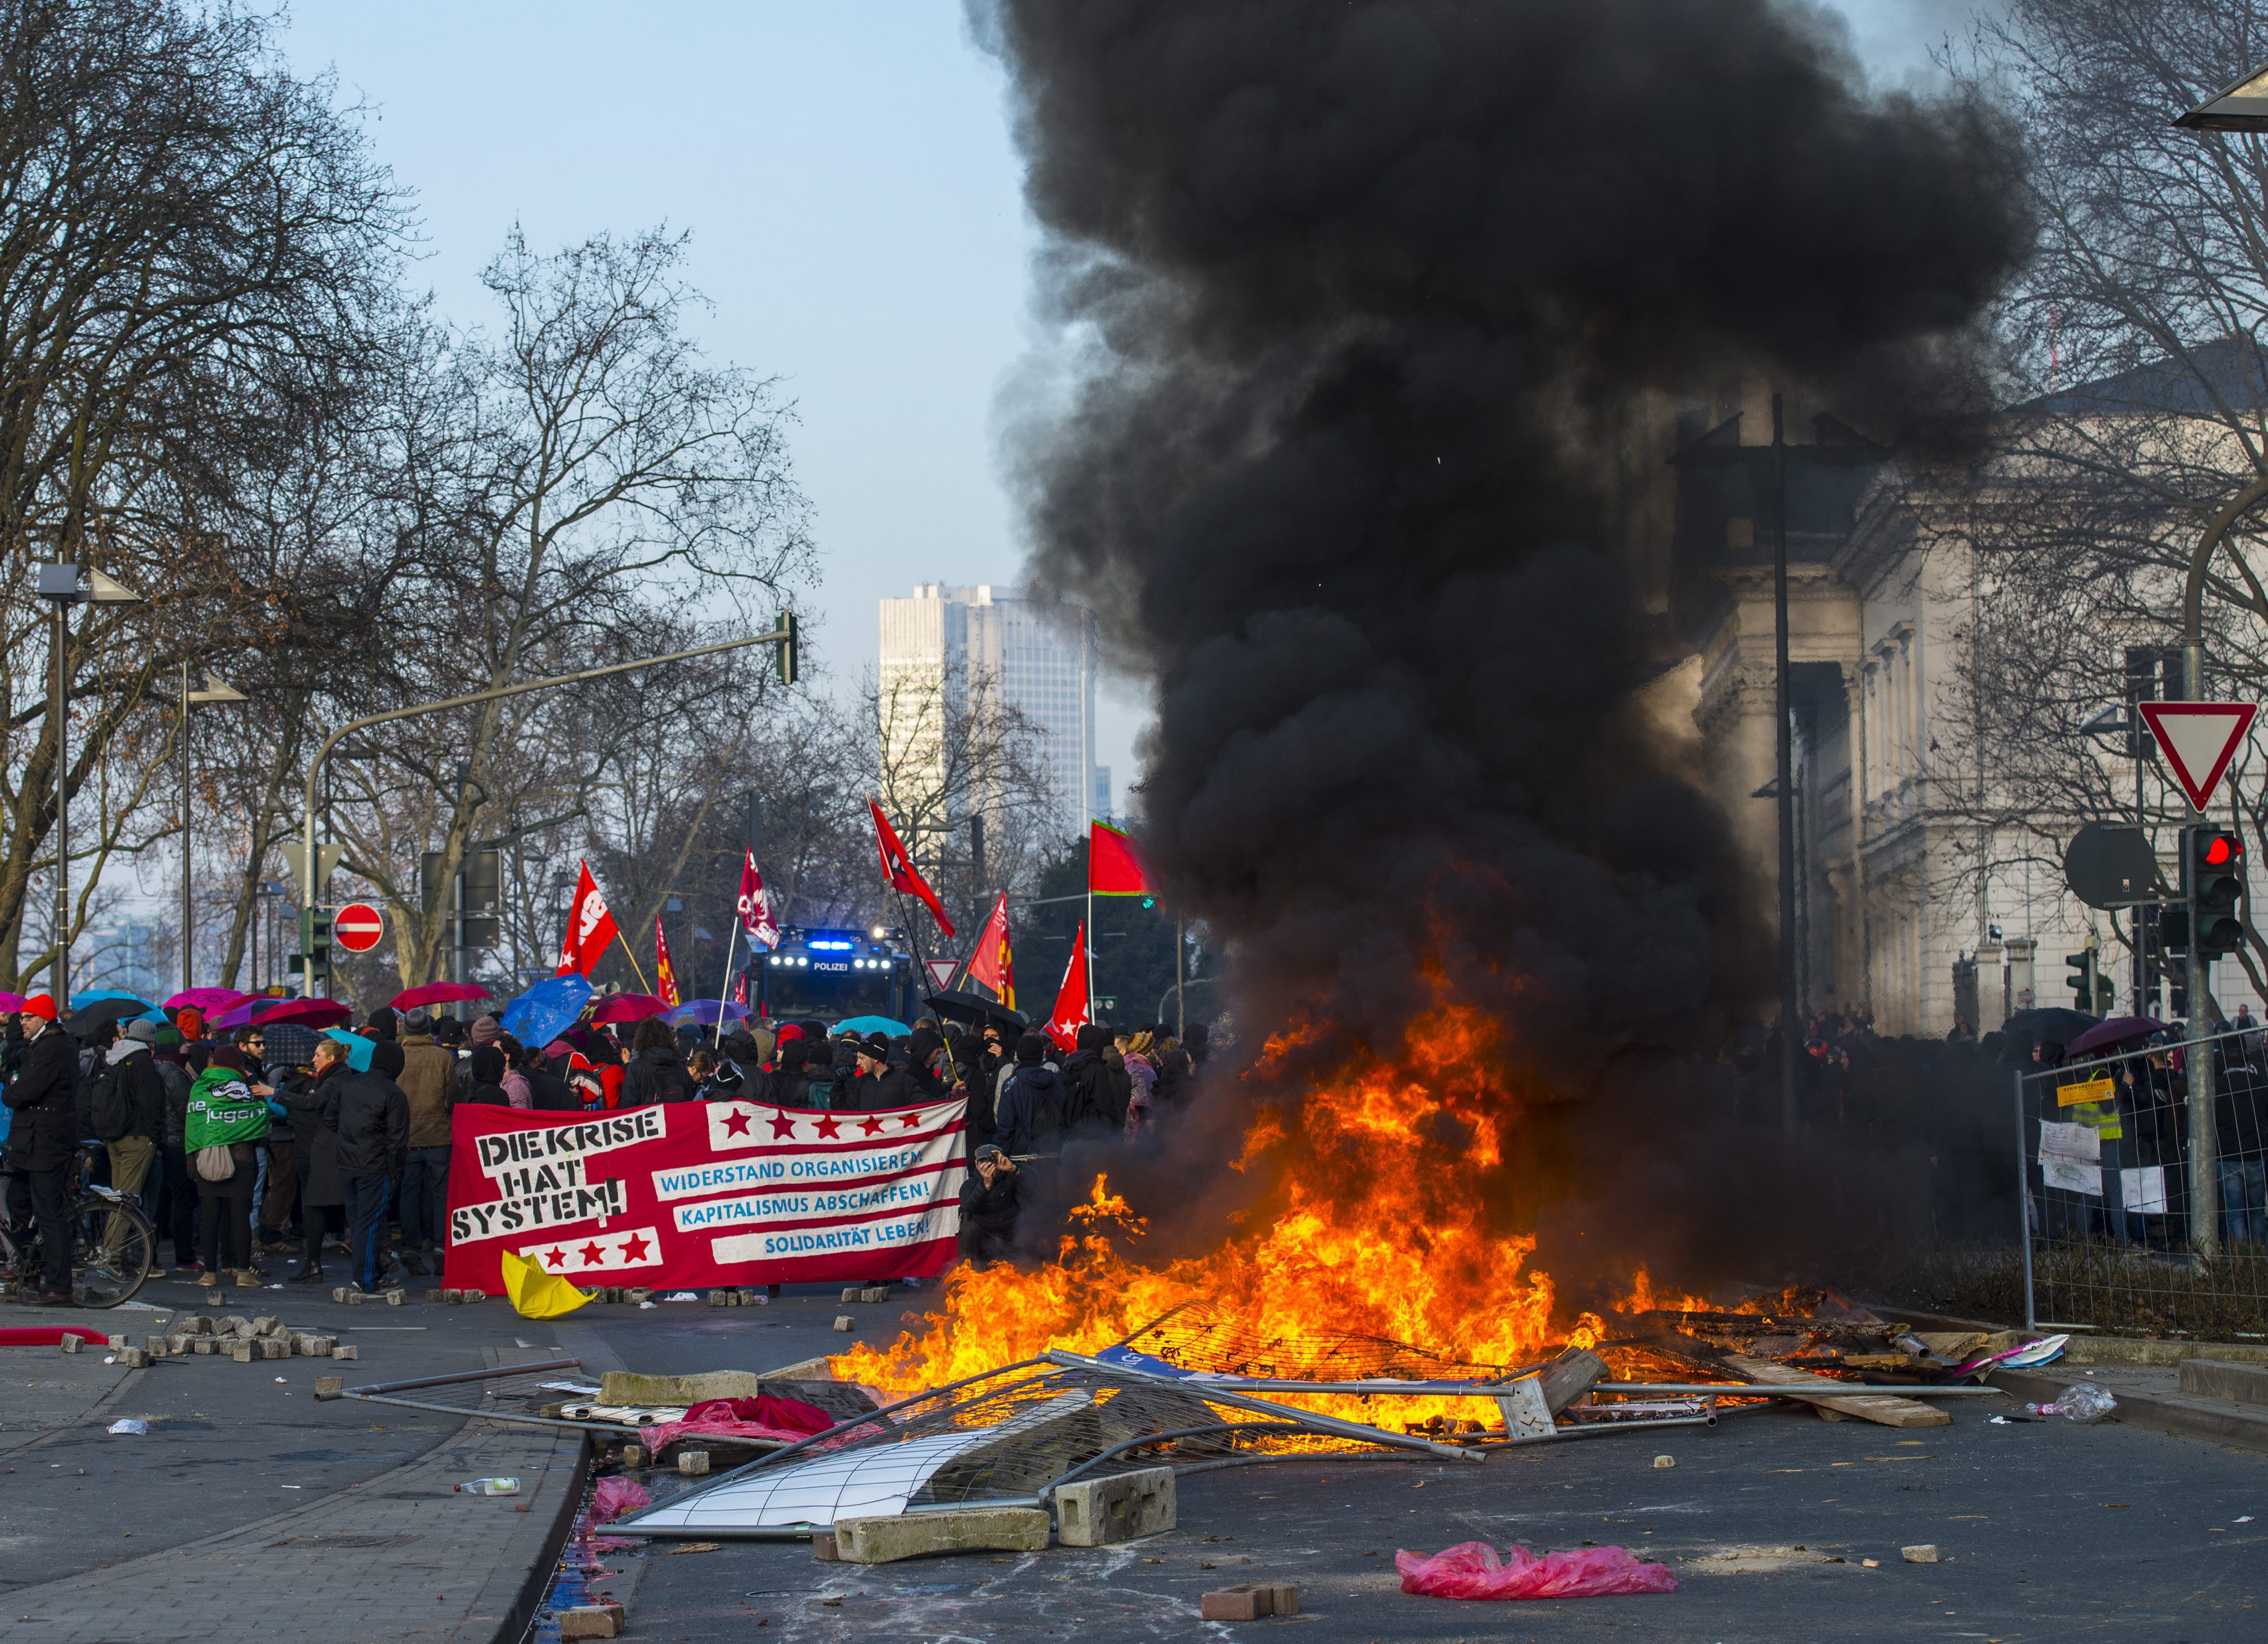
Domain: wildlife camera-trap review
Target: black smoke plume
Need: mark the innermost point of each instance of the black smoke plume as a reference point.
(1350, 287)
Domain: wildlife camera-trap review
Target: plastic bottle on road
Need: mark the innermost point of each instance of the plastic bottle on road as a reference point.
(490, 1487)
(2083, 1402)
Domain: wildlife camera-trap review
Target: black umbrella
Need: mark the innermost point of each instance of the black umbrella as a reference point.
(2051, 1024)
(961, 1004)
(87, 1018)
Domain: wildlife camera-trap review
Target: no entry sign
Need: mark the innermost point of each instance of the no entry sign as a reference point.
(357, 927)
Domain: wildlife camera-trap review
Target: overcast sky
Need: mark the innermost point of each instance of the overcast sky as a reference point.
(844, 167)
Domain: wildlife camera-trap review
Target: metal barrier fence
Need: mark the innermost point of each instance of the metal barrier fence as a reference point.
(2145, 1211)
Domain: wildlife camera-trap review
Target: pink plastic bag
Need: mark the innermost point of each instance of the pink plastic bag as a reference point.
(614, 1496)
(1471, 1570)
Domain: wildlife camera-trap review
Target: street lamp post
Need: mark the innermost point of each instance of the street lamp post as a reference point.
(215, 691)
(63, 585)
(785, 637)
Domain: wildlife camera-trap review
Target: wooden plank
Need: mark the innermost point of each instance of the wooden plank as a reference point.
(1886, 1409)
(1569, 1377)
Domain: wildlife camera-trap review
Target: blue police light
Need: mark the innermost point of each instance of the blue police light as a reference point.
(831, 948)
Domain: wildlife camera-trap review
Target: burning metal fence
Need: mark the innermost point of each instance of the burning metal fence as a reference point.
(2144, 1210)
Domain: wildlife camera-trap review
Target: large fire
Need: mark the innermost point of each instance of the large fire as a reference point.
(1368, 1218)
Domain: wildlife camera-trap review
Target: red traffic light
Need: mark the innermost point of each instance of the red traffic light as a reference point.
(2221, 848)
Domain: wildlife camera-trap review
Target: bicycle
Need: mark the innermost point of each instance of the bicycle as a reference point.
(101, 1217)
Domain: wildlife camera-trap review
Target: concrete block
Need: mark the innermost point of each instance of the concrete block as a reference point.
(1283, 1598)
(591, 1621)
(628, 1387)
(197, 1324)
(324, 1347)
(72, 1343)
(910, 1535)
(395, 1298)
(451, 1298)
(340, 1293)
(115, 1343)
(206, 1344)
(750, 1298)
(346, 1352)
(822, 1548)
(693, 1464)
(716, 1297)
(244, 1352)
(329, 1386)
(633, 1454)
(234, 1324)
(846, 1323)
(857, 1293)
(877, 1292)
(2217, 1378)
(1666, 1461)
(154, 1345)
(276, 1348)
(472, 1297)
(265, 1324)
(1925, 1553)
(1103, 1511)
(638, 1294)
(134, 1358)
(1245, 1603)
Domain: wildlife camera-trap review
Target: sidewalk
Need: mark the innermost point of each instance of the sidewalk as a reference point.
(2148, 1396)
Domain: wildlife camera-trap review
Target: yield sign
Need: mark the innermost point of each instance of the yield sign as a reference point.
(941, 971)
(2199, 740)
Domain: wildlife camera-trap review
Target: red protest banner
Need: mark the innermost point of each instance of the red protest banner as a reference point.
(698, 1193)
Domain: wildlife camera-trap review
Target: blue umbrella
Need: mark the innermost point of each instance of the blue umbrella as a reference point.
(873, 1024)
(705, 1012)
(537, 1015)
(359, 1048)
(150, 1013)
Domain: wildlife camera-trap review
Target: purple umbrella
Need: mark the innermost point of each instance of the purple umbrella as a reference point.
(705, 1011)
(12, 1001)
(2117, 1031)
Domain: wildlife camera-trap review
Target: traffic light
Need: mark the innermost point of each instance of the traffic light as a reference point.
(313, 959)
(783, 649)
(2216, 864)
(2081, 966)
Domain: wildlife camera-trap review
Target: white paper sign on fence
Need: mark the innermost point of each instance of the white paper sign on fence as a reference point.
(2078, 1144)
(2144, 1188)
(2076, 1179)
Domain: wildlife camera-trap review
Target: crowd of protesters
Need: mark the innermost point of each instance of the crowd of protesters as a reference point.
(279, 1144)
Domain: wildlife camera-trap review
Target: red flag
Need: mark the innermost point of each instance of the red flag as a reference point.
(755, 905)
(1112, 868)
(1070, 1013)
(664, 975)
(590, 927)
(994, 961)
(740, 988)
(898, 868)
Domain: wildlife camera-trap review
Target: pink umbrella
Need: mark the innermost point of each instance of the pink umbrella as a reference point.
(12, 1001)
(438, 993)
(630, 1007)
(207, 998)
(314, 1013)
(237, 1015)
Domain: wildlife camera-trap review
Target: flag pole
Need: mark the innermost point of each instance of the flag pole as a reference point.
(626, 954)
(1088, 936)
(725, 986)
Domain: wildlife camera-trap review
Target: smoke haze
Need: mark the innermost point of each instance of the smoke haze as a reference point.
(1351, 287)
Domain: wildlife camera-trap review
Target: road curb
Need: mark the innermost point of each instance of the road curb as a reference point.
(509, 1599)
(2244, 1425)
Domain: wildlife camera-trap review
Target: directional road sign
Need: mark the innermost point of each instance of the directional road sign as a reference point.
(2199, 740)
(358, 927)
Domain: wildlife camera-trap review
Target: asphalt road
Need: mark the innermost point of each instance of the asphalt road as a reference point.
(2045, 1531)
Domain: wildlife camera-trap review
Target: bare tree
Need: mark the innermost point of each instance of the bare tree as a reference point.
(188, 238)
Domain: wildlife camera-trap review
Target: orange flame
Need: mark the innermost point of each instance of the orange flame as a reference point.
(1374, 1224)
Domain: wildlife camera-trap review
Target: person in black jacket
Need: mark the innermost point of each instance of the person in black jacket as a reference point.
(43, 1141)
(1095, 1102)
(547, 1091)
(656, 1073)
(989, 1198)
(1031, 1110)
(881, 1081)
(311, 1099)
(130, 1064)
(175, 1208)
(370, 1119)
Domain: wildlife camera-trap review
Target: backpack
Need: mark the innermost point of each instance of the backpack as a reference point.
(106, 1107)
(673, 1083)
(1047, 1110)
(819, 1092)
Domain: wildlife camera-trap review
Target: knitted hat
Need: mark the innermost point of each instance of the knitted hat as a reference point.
(486, 1031)
(41, 1005)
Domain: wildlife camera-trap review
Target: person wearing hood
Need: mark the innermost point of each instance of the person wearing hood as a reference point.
(655, 1073)
(928, 1063)
(370, 1117)
(1031, 1106)
(312, 1102)
(431, 1083)
(175, 1210)
(787, 1083)
(128, 1109)
(1095, 1102)
(43, 1141)
(227, 1115)
(547, 1091)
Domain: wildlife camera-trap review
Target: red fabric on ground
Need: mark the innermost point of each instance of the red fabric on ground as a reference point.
(1471, 1570)
(48, 1335)
(762, 1417)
